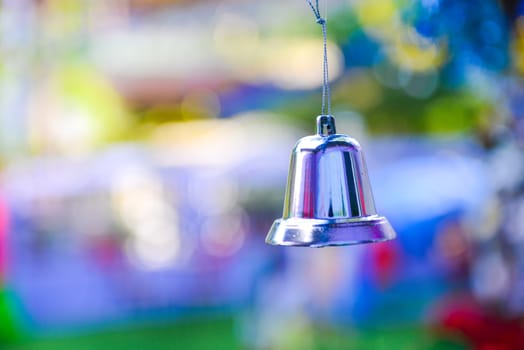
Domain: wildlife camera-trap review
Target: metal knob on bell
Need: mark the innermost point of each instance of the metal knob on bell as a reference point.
(328, 199)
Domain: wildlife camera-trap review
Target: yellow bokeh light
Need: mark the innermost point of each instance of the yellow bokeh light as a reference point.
(416, 54)
(375, 12)
(518, 45)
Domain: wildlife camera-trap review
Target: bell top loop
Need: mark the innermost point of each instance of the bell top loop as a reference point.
(326, 125)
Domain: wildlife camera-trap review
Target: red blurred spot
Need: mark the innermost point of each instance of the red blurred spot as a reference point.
(484, 331)
(385, 258)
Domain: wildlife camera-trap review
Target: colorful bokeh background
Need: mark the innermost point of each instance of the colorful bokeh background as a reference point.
(144, 147)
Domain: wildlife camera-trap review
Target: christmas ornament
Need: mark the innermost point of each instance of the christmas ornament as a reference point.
(328, 199)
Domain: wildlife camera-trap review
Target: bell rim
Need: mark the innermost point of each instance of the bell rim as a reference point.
(317, 233)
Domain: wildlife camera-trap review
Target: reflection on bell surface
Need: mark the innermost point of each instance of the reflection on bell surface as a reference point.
(328, 197)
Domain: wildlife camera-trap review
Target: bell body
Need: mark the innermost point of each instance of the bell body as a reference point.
(328, 199)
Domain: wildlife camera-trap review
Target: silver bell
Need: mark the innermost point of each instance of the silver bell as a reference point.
(328, 197)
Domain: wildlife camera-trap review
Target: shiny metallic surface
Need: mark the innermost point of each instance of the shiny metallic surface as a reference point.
(328, 197)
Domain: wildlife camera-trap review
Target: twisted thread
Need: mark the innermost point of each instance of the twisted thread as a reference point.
(326, 92)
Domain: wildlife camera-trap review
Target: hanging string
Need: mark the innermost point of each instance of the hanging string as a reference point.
(326, 93)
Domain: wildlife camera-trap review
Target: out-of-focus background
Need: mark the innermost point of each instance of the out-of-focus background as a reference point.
(144, 147)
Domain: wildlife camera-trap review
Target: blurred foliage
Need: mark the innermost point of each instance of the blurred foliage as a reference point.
(449, 112)
(9, 324)
(220, 334)
(190, 335)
